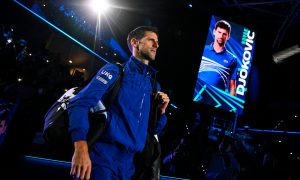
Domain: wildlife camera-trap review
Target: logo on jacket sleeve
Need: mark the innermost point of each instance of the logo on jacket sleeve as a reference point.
(101, 79)
(106, 74)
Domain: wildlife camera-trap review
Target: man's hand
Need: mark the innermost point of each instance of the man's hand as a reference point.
(163, 99)
(81, 162)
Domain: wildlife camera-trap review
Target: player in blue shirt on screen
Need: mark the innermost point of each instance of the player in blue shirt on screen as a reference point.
(218, 65)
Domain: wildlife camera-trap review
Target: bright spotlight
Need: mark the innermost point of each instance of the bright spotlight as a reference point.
(99, 5)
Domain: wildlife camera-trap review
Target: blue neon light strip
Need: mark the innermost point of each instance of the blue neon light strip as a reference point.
(218, 103)
(168, 177)
(227, 97)
(173, 106)
(233, 97)
(62, 32)
(200, 92)
(291, 132)
(233, 108)
(48, 159)
(261, 130)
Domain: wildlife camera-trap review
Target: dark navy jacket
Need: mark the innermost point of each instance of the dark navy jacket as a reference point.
(127, 118)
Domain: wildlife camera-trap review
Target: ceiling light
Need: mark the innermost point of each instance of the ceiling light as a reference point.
(99, 5)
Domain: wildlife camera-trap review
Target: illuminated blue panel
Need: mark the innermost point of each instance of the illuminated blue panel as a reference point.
(190, 5)
(173, 106)
(233, 108)
(62, 32)
(218, 103)
(48, 159)
(227, 96)
(233, 97)
(200, 92)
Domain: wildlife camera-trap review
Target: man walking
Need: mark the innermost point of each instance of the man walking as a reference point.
(127, 118)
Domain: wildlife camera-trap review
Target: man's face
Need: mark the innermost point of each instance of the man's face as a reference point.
(2, 127)
(221, 36)
(148, 45)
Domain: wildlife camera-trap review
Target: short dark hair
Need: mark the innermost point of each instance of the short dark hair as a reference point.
(138, 33)
(224, 25)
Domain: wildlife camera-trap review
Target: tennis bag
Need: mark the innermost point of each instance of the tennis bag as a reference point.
(56, 125)
(147, 163)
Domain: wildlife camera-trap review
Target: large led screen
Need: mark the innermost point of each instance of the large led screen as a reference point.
(225, 66)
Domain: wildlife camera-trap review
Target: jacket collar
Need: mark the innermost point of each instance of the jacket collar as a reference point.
(211, 47)
(142, 68)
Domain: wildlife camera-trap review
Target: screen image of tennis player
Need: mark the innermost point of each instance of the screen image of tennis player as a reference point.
(225, 65)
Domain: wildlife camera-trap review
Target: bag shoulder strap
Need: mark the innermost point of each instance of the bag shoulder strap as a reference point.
(116, 86)
(153, 110)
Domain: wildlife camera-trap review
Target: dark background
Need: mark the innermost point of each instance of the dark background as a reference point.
(182, 34)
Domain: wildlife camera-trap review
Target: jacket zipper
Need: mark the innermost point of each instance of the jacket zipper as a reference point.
(141, 109)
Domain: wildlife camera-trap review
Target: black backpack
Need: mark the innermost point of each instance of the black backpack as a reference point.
(56, 125)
